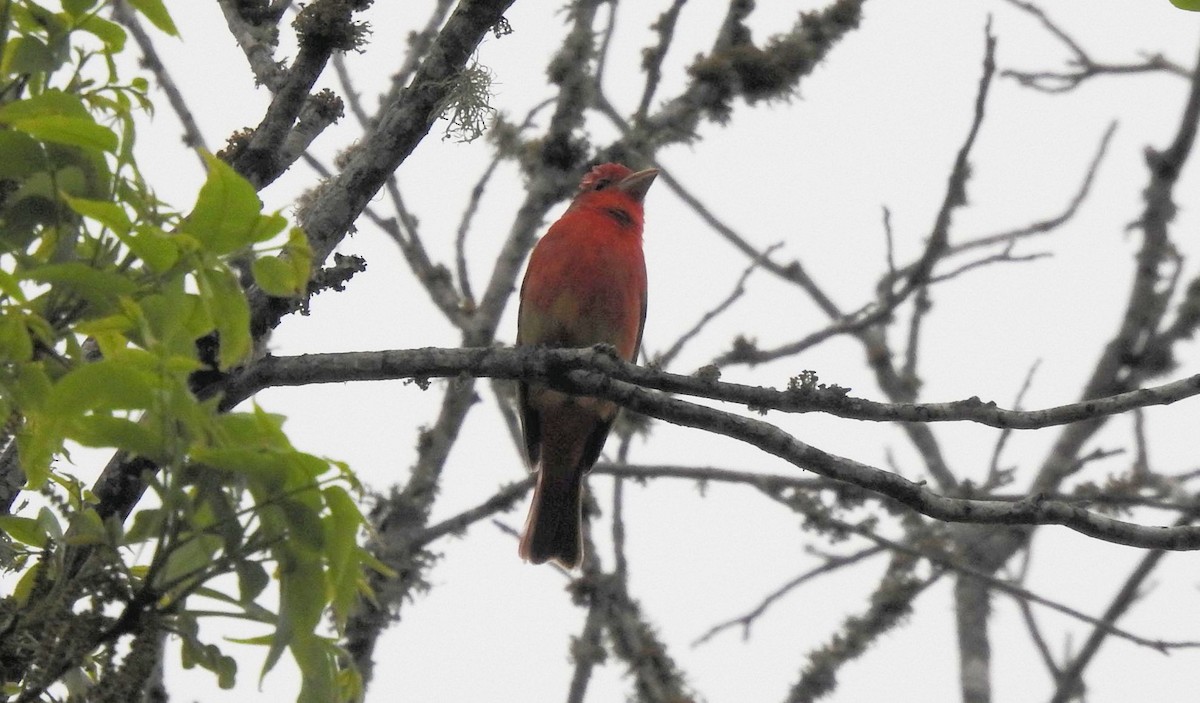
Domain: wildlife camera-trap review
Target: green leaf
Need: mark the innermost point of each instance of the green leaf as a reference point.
(299, 254)
(147, 525)
(341, 550)
(276, 277)
(15, 343)
(49, 522)
(188, 560)
(177, 319)
(24, 530)
(51, 102)
(36, 448)
(117, 432)
(33, 18)
(252, 580)
(104, 385)
(318, 668)
(301, 602)
(75, 131)
(106, 212)
(265, 427)
(26, 55)
(42, 436)
(20, 155)
(261, 640)
(25, 586)
(33, 387)
(266, 468)
(227, 306)
(192, 652)
(154, 11)
(77, 8)
(10, 286)
(226, 216)
(304, 526)
(112, 34)
(86, 528)
(306, 468)
(101, 288)
(224, 520)
(159, 250)
(251, 611)
(1192, 5)
(259, 429)
(267, 226)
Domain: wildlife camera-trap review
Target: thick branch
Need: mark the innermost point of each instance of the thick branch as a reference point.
(306, 369)
(554, 367)
(402, 126)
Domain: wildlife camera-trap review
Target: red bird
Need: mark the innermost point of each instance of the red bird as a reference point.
(585, 285)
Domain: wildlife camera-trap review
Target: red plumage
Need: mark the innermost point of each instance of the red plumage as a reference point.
(585, 285)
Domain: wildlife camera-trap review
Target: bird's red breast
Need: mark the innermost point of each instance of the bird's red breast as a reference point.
(585, 285)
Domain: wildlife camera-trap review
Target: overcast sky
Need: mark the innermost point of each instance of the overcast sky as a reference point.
(877, 125)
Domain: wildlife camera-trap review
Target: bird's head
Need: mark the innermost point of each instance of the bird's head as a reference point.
(614, 184)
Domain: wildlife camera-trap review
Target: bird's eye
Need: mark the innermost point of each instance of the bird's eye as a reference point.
(602, 184)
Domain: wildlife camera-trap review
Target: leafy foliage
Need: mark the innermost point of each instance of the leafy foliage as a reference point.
(110, 303)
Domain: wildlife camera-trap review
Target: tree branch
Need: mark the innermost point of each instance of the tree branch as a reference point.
(552, 364)
(595, 372)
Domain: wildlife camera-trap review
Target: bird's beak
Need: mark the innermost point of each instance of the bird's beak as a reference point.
(636, 184)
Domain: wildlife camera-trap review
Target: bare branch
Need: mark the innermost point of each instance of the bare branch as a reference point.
(258, 38)
(468, 216)
(419, 44)
(435, 278)
(353, 98)
(621, 568)
(728, 70)
(1070, 680)
(150, 59)
(997, 477)
(502, 501)
(403, 124)
(587, 650)
(873, 312)
(294, 118)
(656, 678)
(1031, 625)
(888, 606)
(553, 367)
(968, 572)
(792, 272)
(543, 364)
(653, 56)
(746, 620)
(1051, 224)
(1085, 496)
(1084, 67)
(664, 359)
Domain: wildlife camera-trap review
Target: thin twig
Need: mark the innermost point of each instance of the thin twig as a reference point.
(150, 59)
(746, 620)
(1031, 625)
(739, 289)
(958, 566)
(997, 477)
(1084, 66)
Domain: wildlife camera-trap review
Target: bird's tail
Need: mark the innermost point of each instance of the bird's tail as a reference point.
(552, 530)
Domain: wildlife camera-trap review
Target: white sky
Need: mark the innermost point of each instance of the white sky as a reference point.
(877, 125)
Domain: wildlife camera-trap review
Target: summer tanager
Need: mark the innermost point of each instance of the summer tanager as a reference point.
(585, 285)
